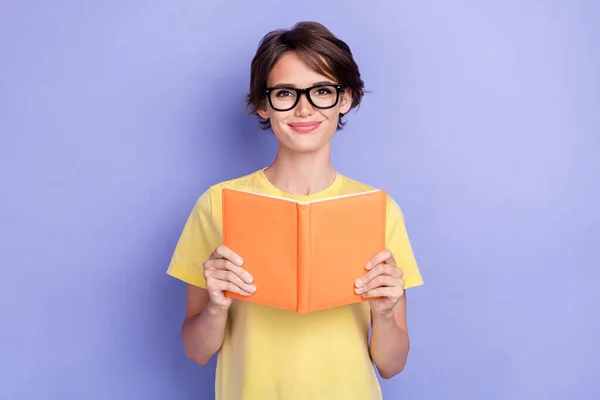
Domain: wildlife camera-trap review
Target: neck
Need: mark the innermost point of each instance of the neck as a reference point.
(301, 174)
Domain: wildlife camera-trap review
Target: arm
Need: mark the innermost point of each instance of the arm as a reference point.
(204, 326)
(209, 268)
(206, 311)
(389, 340)
(390, 343)
(384, 284)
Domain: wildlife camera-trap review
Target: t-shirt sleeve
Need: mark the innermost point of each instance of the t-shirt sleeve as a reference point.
(399, 244)
(199, 238)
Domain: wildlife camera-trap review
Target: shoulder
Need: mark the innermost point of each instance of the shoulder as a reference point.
(351, 185)
(247, 181)
(213, 194)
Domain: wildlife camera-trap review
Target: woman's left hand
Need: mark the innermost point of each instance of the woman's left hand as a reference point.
(384, 280)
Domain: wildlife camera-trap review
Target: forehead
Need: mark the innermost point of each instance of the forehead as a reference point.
(290, 69)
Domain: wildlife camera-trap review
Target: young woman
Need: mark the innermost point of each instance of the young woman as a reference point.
(303, 81)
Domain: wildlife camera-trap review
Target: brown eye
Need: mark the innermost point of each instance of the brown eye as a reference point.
(283, 93)
(324, 91)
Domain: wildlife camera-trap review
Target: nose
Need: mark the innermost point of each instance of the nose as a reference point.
(303, 108)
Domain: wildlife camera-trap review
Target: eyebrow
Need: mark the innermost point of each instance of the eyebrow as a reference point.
(291, 85)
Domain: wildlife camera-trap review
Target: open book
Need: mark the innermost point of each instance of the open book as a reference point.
(304, 256)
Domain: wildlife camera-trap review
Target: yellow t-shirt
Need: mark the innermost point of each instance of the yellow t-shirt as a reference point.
(270, 353)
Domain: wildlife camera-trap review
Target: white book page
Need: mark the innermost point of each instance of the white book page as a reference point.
(306, 202)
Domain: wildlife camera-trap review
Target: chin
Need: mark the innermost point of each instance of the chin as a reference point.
(306, 143)
(305, 149)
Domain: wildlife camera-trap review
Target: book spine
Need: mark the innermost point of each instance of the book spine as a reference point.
(304, 257)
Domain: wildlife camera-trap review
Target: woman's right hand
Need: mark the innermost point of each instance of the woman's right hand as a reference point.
(223, 271)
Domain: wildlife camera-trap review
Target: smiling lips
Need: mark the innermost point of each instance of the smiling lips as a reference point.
(304, 127)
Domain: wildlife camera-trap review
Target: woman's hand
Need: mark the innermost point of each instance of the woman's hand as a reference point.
(223, 271)
(384, 280)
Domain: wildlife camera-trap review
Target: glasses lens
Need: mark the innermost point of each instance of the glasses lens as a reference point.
(324, 96)
(283, 99)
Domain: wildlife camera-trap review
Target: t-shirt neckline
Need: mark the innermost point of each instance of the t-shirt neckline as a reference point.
(329, 191)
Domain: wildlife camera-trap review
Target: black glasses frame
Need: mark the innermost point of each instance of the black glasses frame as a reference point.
(338, 88)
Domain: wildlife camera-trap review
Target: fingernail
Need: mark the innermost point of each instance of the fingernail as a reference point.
(358, 290)
(358, 283)
(249, 278)
(239, 261)
(252, 288)
(368, 266)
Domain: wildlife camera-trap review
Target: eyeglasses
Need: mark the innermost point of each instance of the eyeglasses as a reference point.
(320, 96)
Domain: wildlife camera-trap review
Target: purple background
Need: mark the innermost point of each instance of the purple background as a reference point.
(483, 122)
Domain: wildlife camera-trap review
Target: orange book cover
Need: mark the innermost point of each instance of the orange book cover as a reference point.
(304, 256)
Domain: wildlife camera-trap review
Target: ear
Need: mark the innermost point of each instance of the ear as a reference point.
(345, 100)
(262, 111)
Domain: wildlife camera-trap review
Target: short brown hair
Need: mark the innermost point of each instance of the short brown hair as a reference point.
(318, 48)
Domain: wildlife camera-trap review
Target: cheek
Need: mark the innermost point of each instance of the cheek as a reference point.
(278, 117)
(278, 122)
(331, 115)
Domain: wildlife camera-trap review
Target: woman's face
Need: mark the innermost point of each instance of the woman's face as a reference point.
(304, 128)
